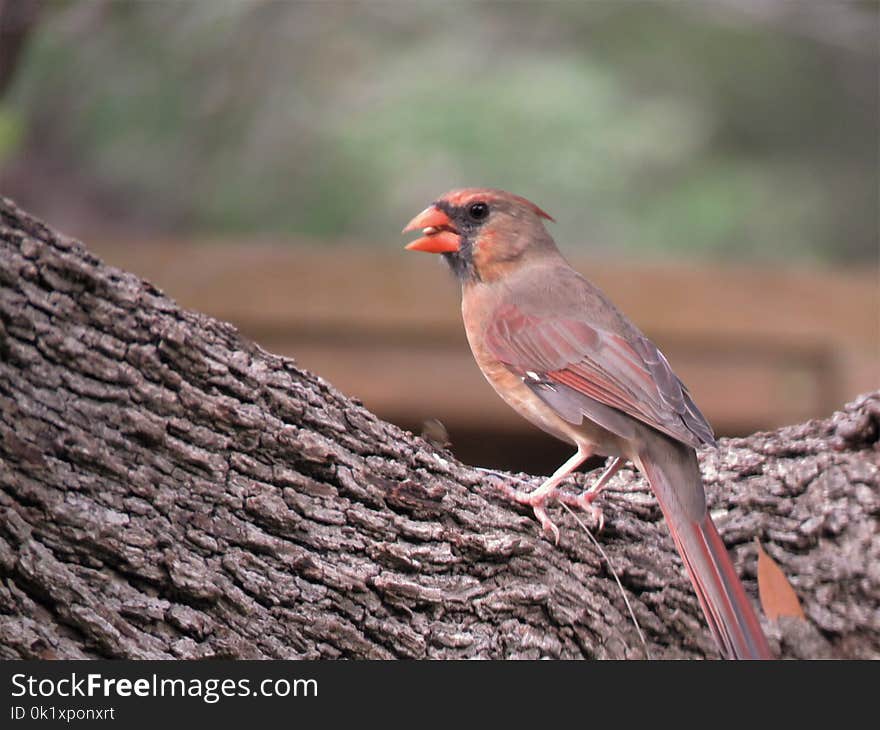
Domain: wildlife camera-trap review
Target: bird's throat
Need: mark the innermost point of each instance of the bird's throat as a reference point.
(462, 264)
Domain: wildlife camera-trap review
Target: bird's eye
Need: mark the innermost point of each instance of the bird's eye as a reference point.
(477, 211)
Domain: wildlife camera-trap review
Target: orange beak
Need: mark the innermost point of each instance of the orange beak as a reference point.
(440, 235)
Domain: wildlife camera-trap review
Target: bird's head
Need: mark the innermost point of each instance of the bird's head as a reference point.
(481, 232)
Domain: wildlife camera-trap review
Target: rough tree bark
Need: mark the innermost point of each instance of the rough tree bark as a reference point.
(169, 489)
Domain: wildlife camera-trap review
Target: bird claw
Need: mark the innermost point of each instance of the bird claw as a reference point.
(547, 524)
(584, 501)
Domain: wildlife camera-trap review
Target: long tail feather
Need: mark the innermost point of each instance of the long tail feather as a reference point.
(671, 469)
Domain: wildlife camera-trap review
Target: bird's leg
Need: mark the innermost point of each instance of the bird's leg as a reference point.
(550, 489)
(585, 500)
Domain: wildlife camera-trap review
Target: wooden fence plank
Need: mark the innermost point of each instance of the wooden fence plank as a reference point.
(758, 347)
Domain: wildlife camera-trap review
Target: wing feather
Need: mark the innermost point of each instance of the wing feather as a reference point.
(628, 374)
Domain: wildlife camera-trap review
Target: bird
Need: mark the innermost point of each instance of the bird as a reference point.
(561, 354)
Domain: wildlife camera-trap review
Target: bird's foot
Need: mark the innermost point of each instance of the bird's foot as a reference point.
(584, 501)
(539, 498)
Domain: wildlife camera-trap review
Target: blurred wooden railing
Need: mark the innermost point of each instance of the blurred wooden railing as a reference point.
(758, 347)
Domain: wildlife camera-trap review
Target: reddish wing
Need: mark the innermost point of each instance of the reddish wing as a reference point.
(630, 376)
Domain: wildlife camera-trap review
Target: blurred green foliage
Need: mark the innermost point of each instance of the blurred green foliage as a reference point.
(647, 128)
(11, 132)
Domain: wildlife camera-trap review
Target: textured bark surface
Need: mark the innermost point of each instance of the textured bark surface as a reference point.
(169, 489)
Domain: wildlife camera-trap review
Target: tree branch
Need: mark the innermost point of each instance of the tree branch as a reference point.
(169, 489)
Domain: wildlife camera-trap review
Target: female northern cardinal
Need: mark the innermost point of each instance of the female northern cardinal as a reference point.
(564, 357)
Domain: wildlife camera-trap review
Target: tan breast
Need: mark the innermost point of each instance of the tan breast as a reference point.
(477, 305)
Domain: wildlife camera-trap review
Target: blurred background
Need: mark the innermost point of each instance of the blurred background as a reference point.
(712, 165)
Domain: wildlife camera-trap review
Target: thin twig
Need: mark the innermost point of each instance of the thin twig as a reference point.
(616, 579)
